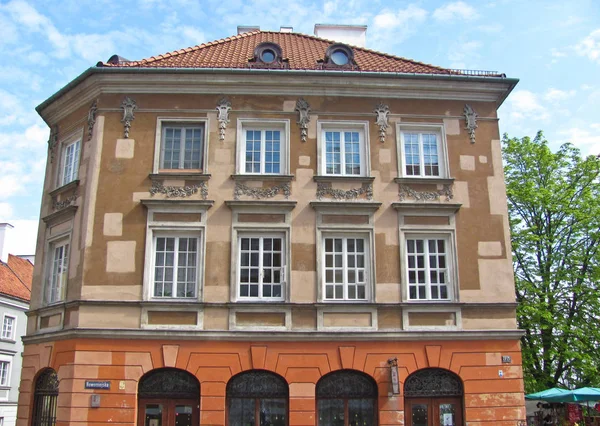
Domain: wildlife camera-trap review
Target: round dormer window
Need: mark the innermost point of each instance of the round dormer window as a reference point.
(339, 57)
(267, 56)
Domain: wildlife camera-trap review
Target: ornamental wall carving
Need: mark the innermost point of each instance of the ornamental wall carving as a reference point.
(325, 190)
(260, 193)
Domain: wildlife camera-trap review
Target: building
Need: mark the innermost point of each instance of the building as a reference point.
(15, 292)
(274, 229)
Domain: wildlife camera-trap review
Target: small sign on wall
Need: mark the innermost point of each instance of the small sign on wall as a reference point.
(97, 384)
(393, 362)
(506, 359)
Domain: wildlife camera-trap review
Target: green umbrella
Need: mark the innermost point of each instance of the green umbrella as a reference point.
(576, 395)
(548, 393)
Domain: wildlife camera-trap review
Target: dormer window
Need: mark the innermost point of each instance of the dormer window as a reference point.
(339, 55)
(268, 55)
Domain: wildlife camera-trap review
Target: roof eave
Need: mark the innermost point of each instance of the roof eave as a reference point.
(512, 82)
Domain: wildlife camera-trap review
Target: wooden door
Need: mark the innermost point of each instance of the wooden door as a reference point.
(433, 412)
(168, 412)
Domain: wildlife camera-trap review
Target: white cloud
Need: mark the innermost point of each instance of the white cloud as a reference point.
(525, 104)
(396, 26)
(590, 46)
(21, 240)
(490, 28)
(556, 95)
(10, 184)
(463, 52)
(6, 211)
(455, 11)
(587, 141)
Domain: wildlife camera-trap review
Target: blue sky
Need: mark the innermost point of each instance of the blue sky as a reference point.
(553, 47)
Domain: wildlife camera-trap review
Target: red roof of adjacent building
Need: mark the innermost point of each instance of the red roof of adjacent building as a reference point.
(15, 278)
(303, 52)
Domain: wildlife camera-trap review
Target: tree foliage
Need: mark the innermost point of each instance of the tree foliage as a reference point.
(554, 210)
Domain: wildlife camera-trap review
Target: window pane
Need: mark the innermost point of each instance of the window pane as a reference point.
(331, 412)
(361, 412)
(253, 139)
(273, 412)
(241, 411)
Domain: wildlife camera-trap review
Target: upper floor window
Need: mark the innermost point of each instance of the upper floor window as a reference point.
(339, 56)
(343, 149)
(346, 276)
(261, 269)
(428, 267)
(263, 147)
(180, 144)
(175, 266)
(70, 162)
(422, 151)
(4, 373)
(8, 327)
(58, 271)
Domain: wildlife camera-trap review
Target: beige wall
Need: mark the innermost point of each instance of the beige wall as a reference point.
(109, 225)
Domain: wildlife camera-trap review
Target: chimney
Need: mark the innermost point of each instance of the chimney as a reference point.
(247, 29)
(355, 35)
(4, 228)
(286, 29)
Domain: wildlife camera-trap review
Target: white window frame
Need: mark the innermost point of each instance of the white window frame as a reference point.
(284, 264)
(8, 364)
(448, 254)
(71, 139)
(420, 128)
(244, 124)
(161, 124)
(59, 241)
(11, 336)
(362, 127)
(345, 267)
(176, 234)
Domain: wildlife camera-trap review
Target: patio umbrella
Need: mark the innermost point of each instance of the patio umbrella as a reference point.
(548, 393)
(576, 395)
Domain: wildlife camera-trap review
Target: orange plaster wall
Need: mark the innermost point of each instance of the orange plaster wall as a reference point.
(488, 398)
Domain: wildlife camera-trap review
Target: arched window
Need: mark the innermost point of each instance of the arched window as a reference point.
(257, 398)
(433, 396)
(268, 55)
(347, 398)
(45, 399)
(168, 396)
(339, 56)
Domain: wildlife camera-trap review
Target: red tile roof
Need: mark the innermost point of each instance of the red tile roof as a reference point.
(15, 278)
(302, 52)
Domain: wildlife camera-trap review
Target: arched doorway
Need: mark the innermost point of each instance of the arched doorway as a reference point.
(168, 397)
(257, 398)
(346, 398)
(45, 399)
(433, 397)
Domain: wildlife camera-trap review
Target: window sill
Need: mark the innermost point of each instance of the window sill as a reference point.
(53, 217)
(326, 178)
(179, 175)
(61, 189)
(425, 181)
(7, 340)
(259, 177)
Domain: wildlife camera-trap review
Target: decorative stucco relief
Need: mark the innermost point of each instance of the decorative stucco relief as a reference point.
(324, 190)
(259, 193)
(59, 205)
(53, 143)
(383, 113)
(405, 192)
(128, 106)
(92, 118)
(303, 109)
(223, 108)
(471, 121)
(179, 191)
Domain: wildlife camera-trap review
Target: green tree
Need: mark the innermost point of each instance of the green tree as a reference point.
(554, 211)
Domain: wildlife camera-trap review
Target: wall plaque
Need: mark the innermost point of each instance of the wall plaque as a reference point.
(506, 359)
(393, 362)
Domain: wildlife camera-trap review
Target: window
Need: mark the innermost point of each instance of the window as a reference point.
(175, 266)
(343, 149)
(345, 271)
(261, 269)
(422, 151)
(182, 146)
(339, 56)
(45, 399)
(263, 147)
(427, 268)
(70, 162)
(346, 398)
(8, 326)
(4, 373)
(59, 266)
(257, 398)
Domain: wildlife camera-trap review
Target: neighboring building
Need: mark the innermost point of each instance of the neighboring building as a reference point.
(274, 229)
(15, 291)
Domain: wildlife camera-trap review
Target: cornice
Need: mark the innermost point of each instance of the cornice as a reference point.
(97, 81)
(270, 336)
